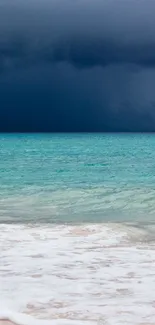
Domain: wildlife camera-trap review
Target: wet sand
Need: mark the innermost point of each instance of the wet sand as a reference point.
(6, 322)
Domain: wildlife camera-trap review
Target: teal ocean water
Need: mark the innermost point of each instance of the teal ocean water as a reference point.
(77, 178)
(77, 229)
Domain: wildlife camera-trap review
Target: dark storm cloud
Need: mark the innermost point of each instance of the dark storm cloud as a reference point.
(82, 33)
(77, 65)
(82, 52)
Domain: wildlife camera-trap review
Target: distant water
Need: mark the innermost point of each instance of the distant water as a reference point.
(77, 178)
(77, 229)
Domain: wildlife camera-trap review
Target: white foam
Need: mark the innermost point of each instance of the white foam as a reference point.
(23, 319)
(75, 275)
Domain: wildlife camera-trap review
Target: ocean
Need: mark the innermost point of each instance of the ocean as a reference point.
(77, 229)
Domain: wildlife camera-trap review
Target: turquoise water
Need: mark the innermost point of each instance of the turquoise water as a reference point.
(77, 178)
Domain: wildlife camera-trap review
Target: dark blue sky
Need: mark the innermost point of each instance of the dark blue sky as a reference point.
(77, 65)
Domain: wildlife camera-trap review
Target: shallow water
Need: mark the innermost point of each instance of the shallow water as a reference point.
(77, 232)
(77, 178)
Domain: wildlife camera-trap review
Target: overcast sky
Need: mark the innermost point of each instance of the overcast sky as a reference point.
(77, 65)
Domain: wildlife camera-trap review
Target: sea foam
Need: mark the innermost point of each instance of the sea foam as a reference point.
(81, 274)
